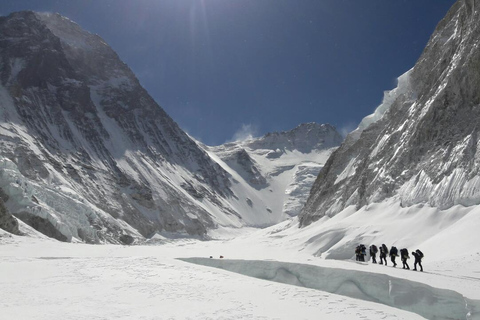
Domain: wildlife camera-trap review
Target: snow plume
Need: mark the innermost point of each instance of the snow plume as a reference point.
(403, 88)
(347, 128)
(246, 132)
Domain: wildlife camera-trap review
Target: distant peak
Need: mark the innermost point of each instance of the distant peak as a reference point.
(305, 127)
(314, 125)
(305, 138)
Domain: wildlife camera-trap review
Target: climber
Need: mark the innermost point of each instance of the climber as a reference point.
(383, 254)
(404, 256)
(393, 255)
(418, 259)
(373, 253)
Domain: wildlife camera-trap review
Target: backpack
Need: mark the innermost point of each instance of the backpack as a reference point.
(420, 253)
(374, 248)
(404, 253)
(385, 249)
(393, 251)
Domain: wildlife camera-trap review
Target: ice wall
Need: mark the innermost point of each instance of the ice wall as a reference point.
(69, 213)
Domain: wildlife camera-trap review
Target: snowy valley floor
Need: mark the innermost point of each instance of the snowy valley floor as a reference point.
(45, 279)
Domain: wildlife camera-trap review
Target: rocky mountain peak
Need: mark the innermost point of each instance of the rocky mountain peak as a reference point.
(304, 138)
(88, 143)
(89, 53)
(423, 148)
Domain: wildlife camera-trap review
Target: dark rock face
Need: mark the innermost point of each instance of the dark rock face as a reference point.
(126, 239)
(7, 221)
(78, 119)
(425, 147)
(246, 166)
(41, 225)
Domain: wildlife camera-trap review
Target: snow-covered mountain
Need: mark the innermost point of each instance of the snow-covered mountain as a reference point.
(86, 154)
(421, 146)
(85, 150)
(279, 167)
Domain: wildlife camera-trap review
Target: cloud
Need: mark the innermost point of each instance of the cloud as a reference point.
(246, 132)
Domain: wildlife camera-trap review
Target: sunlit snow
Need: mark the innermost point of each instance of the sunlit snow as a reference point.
(281, 272)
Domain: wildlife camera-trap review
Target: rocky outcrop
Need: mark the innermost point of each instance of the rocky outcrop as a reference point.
(241, 162)
(421, 146)
(7, 221)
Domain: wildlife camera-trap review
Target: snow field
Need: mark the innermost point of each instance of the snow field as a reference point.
(45, 279)
(72, 281)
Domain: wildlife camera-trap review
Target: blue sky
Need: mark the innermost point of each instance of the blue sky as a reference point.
(228, 68)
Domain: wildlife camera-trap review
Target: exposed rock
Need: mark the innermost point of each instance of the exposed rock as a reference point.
(7, 221)
(127, 239)
(41, 225)
(305, 138)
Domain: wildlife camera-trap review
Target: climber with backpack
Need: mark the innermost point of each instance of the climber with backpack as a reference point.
(404, 256)
(383, 254)
(363, 252)
(357, 253)
(373, 253)
(418, 259)
(393, 255)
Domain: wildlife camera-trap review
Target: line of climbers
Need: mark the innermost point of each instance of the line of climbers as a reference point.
(361, 252)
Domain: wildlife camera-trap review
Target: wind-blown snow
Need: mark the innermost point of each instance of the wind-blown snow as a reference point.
(70, 32)
(403, 88)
